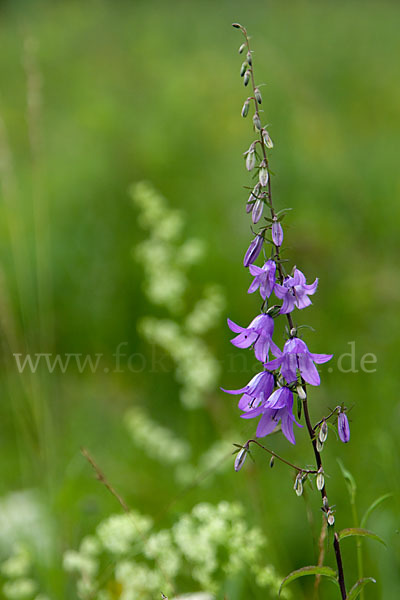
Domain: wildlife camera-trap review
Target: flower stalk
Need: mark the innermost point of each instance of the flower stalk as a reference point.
(270, 394)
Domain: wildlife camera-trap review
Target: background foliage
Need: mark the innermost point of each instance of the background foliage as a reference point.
(98, 95)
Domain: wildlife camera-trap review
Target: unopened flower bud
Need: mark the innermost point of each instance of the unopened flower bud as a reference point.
(331, 518)
(267, 140)
(253, 250)
(325, 503)
(298, 484)
(245, 109)
(277, 233)
(257, 95)
(323, 431)
(250, 160)
(257, 122)
(249, 58)
(246, 77)
(293, 332)
(320, 445)
(301, 392)
(240, 458)
(243, 69)
(272, 461)
(237, 25)
(320, 479)
(257, 211)
(263, 174)
(241, 48)
(343, 427)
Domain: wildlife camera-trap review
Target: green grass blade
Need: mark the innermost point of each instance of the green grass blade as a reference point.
(357, 587)
(373, 506)
(311, 570)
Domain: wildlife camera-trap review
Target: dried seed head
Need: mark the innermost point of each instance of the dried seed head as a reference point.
(240, 458)
(320, 445)
(246, 77)
(298, 484)
(320, 479)
(257, 122)
(245, 109)
(241, 48)
(323, 431)
(257, 95)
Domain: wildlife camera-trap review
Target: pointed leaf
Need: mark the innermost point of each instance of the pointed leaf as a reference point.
(357, 587)
(311, 570)
(373, 506)
(351, 531)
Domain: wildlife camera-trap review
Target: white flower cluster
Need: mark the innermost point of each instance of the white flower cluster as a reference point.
(126, 558)
(17, 572)
(164, 446)
(165, 261)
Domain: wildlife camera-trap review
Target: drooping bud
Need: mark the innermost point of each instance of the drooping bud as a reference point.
(343, 427)
(243, 69)
(241, 457)
(257, 95)
(257, 211)
(298, 484)
(241, 48)
(267, 140)
(320, 445)
(331, 518)
(249, 59)
(277, 233)
(301, 392)
(253, 250)
(245, 108)
(263, 174)
(250, 159)
(257, 122)
(246, 77)
(323, 431)
(272, 461)
(320, 481)
(237, 25)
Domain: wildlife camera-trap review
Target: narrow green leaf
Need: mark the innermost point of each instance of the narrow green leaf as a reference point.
(357, 587)
(357, 531)
(373, 506)
(311, 570)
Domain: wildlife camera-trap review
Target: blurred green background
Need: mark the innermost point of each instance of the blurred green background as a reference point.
(97, 95)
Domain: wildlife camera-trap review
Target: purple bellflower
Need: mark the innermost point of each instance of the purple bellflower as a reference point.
(279, 407)
(256, 392)
(264, 278)
(295, 292)
(258, 333)
(343, 427)
(253, 250)
(277, 233)
(295, 356)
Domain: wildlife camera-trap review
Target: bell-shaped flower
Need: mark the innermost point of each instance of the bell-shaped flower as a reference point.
(253, 250)
(258, 334)
(256, 392)
(279, 407)
(296, 356)
(343, 427)
(264, 278)
(295, 292)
